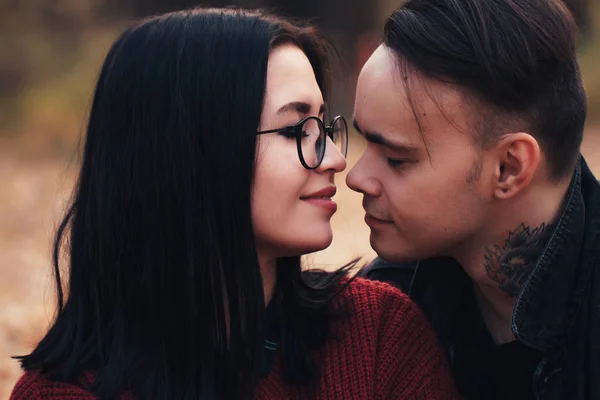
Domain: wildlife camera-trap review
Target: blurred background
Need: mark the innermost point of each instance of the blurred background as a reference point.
(50, 55)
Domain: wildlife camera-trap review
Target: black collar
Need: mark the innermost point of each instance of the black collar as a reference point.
(545, 307)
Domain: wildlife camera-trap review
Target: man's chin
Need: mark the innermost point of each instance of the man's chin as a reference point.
(388, 252)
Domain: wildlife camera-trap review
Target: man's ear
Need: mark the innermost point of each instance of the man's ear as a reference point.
(518, 158)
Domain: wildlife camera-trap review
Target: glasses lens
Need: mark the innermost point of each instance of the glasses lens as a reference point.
(312, 142)
(339, 135)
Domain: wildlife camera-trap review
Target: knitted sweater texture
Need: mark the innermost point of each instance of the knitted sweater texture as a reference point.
(384, 349)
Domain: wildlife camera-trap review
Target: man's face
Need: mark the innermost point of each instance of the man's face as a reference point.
(425, 191)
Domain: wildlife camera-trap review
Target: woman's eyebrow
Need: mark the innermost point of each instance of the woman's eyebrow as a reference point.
(299, 107)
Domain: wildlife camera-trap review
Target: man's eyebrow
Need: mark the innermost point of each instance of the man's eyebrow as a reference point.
(299, 107)
(378, 138)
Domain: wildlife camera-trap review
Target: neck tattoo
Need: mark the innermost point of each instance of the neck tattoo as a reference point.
(510, 264)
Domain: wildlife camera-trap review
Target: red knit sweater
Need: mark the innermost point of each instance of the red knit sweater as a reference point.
(384, 350)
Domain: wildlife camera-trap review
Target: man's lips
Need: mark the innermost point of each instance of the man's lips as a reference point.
(374, 221)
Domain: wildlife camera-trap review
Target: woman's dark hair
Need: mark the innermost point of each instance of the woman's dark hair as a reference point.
(518, 58)
(161, 245)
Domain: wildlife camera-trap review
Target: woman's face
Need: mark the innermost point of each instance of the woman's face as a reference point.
(291, 205)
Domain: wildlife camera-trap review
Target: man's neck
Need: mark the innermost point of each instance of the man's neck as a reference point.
(502, 258)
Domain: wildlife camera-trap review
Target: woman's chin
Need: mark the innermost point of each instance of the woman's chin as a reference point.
(318, 247)
(317, 243)
(314, 244)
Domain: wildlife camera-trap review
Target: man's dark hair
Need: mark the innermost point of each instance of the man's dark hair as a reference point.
(517, 58)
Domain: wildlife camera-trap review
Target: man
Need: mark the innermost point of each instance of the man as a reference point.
(474, 113)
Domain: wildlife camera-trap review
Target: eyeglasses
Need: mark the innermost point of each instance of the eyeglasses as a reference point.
(311, 137)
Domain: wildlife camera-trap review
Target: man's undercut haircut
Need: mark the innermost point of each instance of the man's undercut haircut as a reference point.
(515, 62)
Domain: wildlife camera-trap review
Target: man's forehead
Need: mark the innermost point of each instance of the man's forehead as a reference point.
(405, 100)
(381, 62)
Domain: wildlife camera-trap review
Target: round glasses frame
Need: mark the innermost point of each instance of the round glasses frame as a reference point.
(327, 131)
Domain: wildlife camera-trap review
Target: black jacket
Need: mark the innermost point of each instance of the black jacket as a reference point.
(558, 310)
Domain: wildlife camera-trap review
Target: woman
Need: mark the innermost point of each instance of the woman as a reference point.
(188, 221)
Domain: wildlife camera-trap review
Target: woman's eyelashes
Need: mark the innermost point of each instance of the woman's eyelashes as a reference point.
(289, 133)
(292, 131)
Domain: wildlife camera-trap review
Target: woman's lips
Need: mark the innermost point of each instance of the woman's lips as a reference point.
(323, 202)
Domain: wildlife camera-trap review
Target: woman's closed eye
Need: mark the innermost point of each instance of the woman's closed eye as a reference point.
(304, 134)
(289, 133)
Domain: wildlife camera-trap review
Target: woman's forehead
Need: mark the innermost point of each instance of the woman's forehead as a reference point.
(291, 78)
